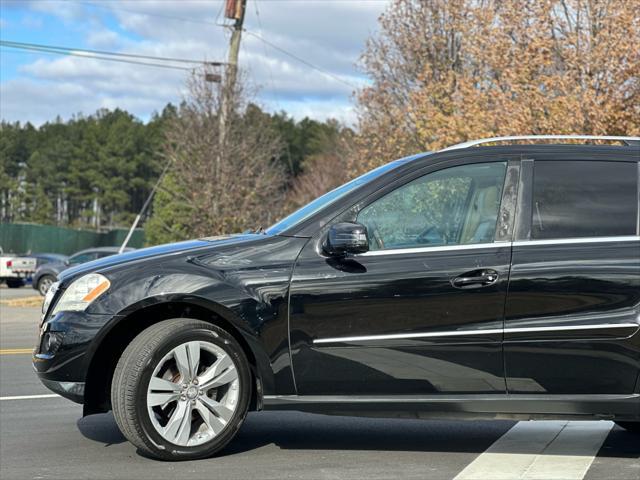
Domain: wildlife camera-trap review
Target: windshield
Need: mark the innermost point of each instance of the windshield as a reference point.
(328, 198)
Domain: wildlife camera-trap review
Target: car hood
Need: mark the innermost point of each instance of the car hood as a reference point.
(157, 251)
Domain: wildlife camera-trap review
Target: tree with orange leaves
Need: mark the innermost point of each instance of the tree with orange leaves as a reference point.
(445, 71)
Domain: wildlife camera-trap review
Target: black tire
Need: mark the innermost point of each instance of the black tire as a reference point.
(133, 373)
(633, 427)
(44, 283)
(15, 282)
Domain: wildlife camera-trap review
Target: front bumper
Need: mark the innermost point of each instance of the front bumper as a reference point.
(64, 351)
(74, 391)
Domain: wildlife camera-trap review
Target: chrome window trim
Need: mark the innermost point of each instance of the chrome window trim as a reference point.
(440, 248)
(458, 333)
(577, 240)
(519, 243)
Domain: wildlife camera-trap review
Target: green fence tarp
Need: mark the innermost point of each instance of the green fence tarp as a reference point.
(33, 238)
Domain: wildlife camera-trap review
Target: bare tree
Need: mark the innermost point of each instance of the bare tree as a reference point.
(217, 184)
(324, 171)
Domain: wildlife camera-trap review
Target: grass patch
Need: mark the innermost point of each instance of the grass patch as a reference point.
(35, 301)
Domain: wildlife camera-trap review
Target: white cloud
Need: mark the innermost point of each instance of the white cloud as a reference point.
(105, 39)
(67, 11)
(330, 35)
(338, 109)
(26, 100)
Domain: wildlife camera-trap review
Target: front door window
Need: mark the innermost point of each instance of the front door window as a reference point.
(454, 206)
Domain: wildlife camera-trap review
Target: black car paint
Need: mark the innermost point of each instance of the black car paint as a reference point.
(387, 294)
(280, 292)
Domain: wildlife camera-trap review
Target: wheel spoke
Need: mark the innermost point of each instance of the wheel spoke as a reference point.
(158, 384)
(162, 399)
(222, 363)
(220, 410)
(193, 351)
(228, 376)
(183, 434)
(178, 427)
(182, 362)
(210, 420)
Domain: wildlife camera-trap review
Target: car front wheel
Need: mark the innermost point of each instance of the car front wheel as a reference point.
(45, 283)
(181, 389)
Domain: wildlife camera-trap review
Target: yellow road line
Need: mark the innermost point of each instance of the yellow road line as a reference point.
(16, 351)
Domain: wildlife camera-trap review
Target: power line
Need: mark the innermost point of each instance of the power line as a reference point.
(148, 14)
(97, 57)
(249, 32)
(264, 47)
(259, 37)
(8, 43)
(301, 60)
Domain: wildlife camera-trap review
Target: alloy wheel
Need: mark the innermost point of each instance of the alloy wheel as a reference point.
(193, 393)
(44, 285)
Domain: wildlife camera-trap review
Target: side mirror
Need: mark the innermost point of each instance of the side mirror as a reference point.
(346, 238)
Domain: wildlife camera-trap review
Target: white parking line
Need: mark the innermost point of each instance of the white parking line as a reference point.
(546, 450)
(30, 397)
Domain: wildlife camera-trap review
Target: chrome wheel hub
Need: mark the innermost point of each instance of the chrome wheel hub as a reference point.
(193, 393)
(45, 284)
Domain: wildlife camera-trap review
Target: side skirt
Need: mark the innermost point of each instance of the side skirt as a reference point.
(473, 407)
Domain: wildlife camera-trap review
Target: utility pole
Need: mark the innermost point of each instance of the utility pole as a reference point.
(234, 10)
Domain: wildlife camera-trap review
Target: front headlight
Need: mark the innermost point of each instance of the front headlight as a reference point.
(79, 295)
(49, 296)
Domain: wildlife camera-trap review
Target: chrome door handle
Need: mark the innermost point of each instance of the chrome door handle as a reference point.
(476, 279)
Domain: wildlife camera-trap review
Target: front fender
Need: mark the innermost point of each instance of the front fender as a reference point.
(246, 288)
(195, 307)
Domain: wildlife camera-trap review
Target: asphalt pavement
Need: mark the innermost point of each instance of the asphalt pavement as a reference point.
(48, 438)
(22, 292)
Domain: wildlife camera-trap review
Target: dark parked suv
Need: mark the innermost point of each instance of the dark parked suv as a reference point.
(496, 281)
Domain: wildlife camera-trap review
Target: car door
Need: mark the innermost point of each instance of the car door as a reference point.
(574, 295)
(422, 312)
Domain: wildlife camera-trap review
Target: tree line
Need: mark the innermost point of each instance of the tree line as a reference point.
(441, 72)
(96, 171)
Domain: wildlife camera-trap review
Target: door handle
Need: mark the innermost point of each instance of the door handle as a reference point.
(476, 279)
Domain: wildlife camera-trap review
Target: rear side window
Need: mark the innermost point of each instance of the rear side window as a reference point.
(584, 199)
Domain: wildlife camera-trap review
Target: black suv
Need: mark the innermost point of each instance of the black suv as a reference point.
(479, 281)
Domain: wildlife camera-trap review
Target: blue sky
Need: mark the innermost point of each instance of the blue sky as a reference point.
(38, 87)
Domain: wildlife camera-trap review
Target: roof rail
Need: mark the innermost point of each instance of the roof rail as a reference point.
(472, 143)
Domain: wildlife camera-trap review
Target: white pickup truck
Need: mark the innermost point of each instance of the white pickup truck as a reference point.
(15, 269)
